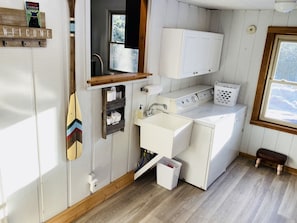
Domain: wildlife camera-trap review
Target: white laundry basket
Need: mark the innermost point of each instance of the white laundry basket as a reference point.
(226, 94)
(168, 173)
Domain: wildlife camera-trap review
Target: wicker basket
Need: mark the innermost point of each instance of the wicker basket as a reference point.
(226, 94)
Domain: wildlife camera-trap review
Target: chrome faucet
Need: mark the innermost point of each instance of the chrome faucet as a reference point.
(100, 60)
(149, 111)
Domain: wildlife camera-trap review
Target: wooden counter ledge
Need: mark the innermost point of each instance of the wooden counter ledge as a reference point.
(114, 78)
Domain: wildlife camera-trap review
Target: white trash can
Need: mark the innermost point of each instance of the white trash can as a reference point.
(168, 173)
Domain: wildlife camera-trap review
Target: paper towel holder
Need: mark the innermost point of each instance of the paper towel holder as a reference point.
(143, 89)
(151, 89)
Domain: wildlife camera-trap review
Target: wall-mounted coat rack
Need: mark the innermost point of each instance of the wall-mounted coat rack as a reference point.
(14, 31)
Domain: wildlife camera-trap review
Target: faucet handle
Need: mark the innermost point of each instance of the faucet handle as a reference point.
(148, 113)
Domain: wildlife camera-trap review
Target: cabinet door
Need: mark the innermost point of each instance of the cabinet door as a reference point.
(214, 49)
(187, 53)
(195, 58)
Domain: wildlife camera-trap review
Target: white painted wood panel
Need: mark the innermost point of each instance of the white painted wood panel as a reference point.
(158, 7)
(193, 18)
(203, 20)
(49, 107)
(224, 26)
(255, 140)
(284, 142)
(3, 214)
(120, 144)
(139, 98)
(280, 19)
(292, 161)
(214, 23)
(22, 205)
(234, 47)
(102, 161)
(101, 148)
(120, 152)
(292, 21)
(245, 52)
(18, 134)
(171, 18)
(78, 177)
(247, 131)
(183, 16)
(270, 138)
(264, 19)
(46, 158)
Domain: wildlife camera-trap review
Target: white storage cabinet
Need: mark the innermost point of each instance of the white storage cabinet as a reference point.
(187, 53)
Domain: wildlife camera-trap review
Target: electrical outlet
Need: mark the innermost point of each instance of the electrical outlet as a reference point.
(93, 181)
(94, 185)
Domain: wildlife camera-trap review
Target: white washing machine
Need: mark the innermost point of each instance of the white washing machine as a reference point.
(216, 133)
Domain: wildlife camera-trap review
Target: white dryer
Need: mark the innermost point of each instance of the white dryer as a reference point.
(216, 134)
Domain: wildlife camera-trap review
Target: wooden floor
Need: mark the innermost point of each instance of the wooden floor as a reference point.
(242, 194)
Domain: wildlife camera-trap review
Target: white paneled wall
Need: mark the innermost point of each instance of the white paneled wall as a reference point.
(37, 182)
(241, 61)
(32, 117)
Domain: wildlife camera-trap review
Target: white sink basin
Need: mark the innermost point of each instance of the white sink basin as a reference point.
(165, 134)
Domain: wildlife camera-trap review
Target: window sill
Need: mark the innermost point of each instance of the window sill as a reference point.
(274, 126)
(116, 78)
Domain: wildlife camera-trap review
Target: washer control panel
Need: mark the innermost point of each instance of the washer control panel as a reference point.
(186, 99)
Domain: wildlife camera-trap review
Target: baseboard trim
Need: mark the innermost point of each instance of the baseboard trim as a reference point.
(82, 207)
(286, 168)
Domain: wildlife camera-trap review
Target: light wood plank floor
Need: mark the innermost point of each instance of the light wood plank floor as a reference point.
(242, 194)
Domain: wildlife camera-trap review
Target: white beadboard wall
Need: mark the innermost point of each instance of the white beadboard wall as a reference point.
(241, 61)
(36, 180)
(32, 123)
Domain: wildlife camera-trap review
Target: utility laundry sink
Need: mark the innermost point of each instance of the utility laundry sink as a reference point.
(165, 134)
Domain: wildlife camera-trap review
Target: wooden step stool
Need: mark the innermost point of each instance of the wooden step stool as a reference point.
(273, 157)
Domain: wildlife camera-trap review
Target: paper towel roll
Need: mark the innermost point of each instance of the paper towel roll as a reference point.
(152, 89)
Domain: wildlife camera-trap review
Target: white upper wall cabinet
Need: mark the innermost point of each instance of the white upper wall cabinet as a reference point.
(188, 53)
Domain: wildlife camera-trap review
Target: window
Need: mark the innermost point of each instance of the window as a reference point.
(275, 103)
(120, 58)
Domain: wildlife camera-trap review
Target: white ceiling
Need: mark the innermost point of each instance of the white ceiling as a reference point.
(233, 4)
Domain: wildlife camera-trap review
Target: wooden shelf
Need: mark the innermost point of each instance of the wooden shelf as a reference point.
(117, 105)
(116, 78)
(115, 127)
(14, 31)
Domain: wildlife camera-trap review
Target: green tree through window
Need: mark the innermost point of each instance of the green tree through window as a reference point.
(120, 58)
(118, 28)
